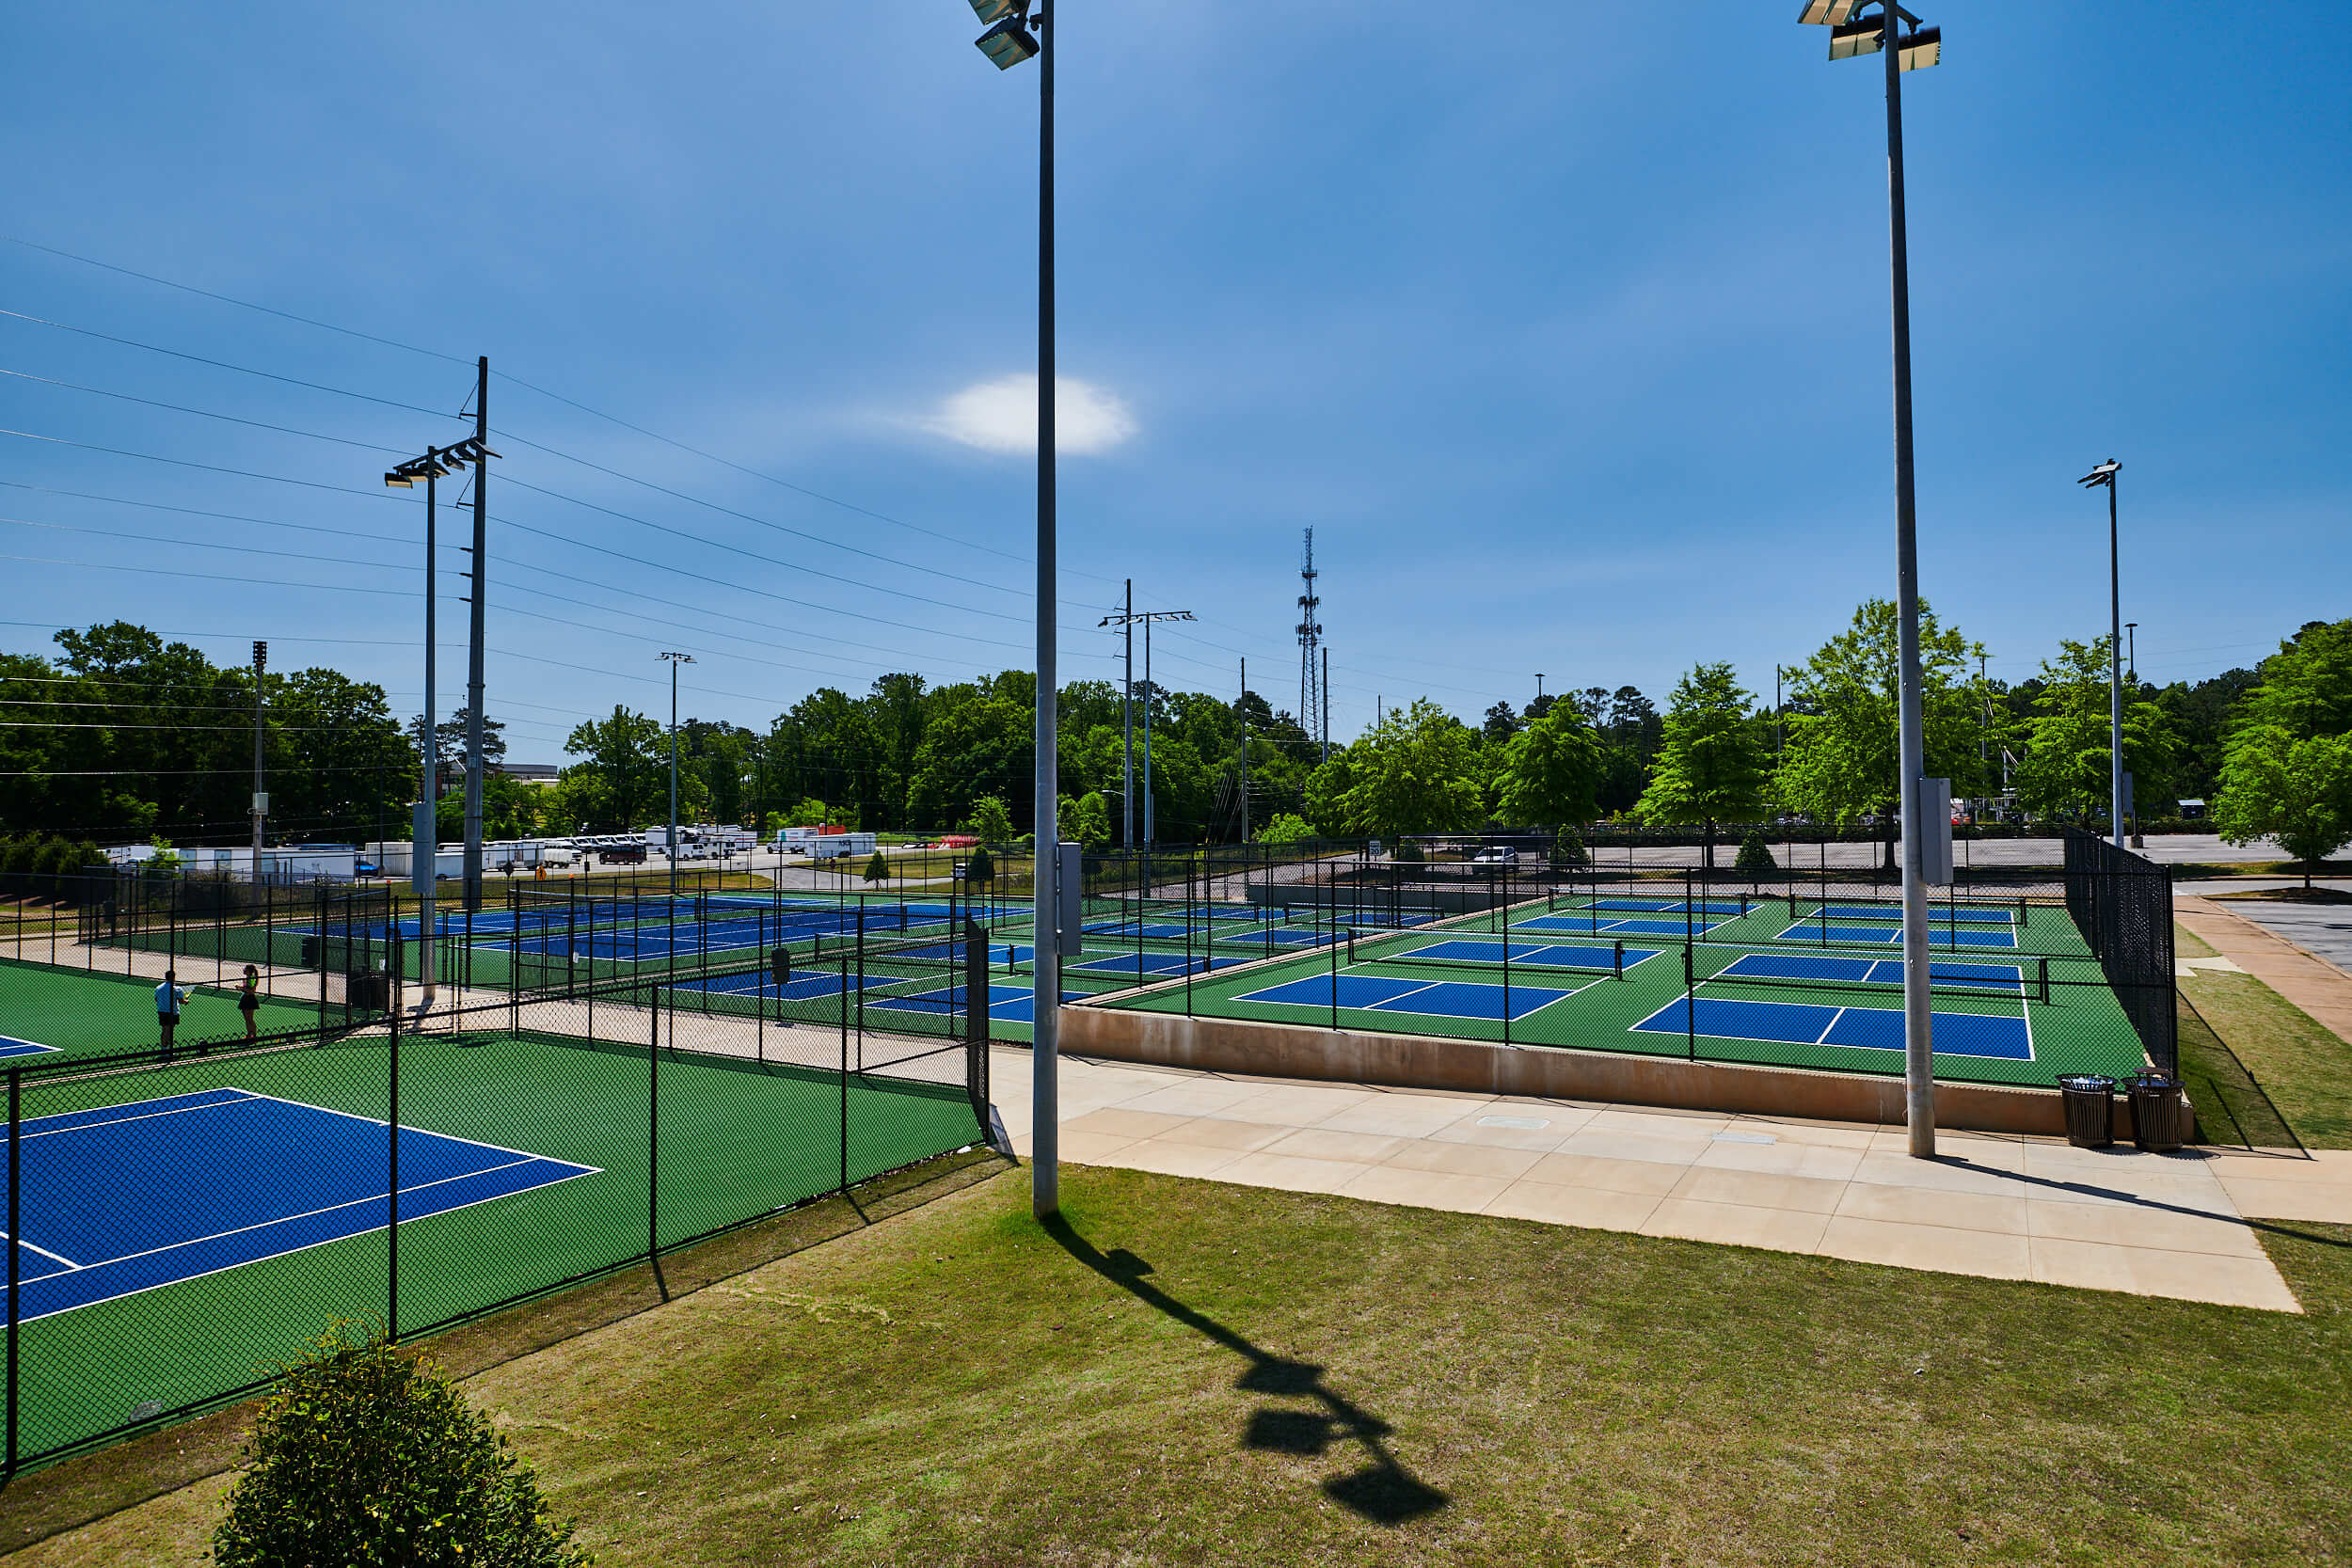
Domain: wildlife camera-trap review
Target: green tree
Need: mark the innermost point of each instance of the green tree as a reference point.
(2298, 792)
(2066, 767)
(1755, 855)
(1286, 829)
(1552, 771)
(1414, 772)
(1842, 758)
(625, 769)
(1093, 823)
(877, 869)
(2306, 686)
(990, 821)
(366, 1455)
(1715, 763)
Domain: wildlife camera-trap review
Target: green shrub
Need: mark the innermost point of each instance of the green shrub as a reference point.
(1755, 856)
(979, 868)
(1286, 829)
(1567, 852)
(1406, 850)
(877, 869)
(364, 1456)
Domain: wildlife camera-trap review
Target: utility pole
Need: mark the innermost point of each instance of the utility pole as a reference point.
(675, 661)
(1127, 778)
(1326, 704)
(1244, 714)
(1310, 631)
(473, 649)
(1130, 620)
(1779, 716)
(260, 793)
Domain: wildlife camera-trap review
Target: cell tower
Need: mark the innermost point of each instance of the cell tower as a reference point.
(1310, 634)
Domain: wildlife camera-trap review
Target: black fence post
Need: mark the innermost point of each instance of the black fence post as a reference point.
(653, 1135)
(845, 1047)
(16, 1142)
(1689, 1004)
(392, 1161)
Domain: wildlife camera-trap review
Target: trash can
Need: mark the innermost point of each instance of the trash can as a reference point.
(2161, 1119)
(2089, 1099)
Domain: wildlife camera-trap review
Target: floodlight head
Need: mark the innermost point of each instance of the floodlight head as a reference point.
(1857, 35)
(991, 10)
(1919, 49)
(1008, 43)
(2103, 474)
(1827, 13)
(399, 481)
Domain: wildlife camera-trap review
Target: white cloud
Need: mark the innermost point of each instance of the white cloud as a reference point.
(1001, 416)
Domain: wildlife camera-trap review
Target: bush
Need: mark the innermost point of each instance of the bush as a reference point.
(877, 869)
(364, 1456)
(1286, 829)
(1406, 850)
(1567, 852)
(979, 868)
(1755, 856)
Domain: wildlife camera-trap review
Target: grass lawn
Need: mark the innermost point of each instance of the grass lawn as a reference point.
(2304, 1068)
(1193, 1373)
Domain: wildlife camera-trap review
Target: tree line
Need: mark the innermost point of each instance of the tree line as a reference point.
(123, 736)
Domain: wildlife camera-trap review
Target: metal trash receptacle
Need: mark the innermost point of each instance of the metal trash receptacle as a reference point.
(2089, 1099)
(2161, 1119)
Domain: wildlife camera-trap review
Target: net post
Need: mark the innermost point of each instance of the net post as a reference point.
(2045, 986)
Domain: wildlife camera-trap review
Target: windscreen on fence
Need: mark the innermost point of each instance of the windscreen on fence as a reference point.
(2123, 904)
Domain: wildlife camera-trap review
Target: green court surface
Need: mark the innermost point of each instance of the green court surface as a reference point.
(1816, 987)
(736, 1140)
(88, 1013)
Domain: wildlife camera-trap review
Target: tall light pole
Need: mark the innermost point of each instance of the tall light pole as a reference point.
(261, 794)
(424, 841)
(473, 638)
(1130, 620)
(1015, 36)
(1849, 38)
(673, 660)
(2104, 477)
(1127, 717)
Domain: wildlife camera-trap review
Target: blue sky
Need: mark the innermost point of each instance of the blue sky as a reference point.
(1564, 328)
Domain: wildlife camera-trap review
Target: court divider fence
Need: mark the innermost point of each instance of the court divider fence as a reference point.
(179, 1222)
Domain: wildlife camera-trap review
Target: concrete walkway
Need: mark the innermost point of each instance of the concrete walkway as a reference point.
(2003, 1208)
(2311, 983)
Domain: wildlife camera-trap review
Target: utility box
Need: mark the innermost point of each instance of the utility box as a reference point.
(1069, 899)
(1935, 835)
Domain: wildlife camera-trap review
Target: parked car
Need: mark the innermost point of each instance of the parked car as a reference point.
(1504, 856)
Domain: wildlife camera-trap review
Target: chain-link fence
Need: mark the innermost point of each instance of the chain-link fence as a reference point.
(180, 1220)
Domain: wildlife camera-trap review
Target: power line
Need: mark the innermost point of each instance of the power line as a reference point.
(202, 413)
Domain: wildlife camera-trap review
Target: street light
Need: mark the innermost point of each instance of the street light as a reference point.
(1016, 36)
(1921, 47)
(2103, 477)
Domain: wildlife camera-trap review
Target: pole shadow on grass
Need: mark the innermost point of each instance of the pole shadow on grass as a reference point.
(1383, 1491)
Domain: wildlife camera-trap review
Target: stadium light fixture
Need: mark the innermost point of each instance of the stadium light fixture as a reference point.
(991, 10)
(1008, 43)
(1852, 35)
(2102, 477)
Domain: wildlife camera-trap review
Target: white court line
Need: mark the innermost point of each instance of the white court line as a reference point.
(143, 1115)
(54, 1256)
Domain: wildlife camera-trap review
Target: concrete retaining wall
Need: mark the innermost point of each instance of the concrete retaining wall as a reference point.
(1474, 1066)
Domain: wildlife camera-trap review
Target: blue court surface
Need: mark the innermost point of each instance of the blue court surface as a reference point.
(1861, 1028)
(1148, 930)
(1277, 937)
(813, 985)
(1628, 927)
(2001, 980)
(1666, 906)
(1014, 1004)
(127, 1199)
(1377, 993)
(1146, 965)
(12, 1047)
(1551, 955)
(1942, 914)
(1815, 930)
